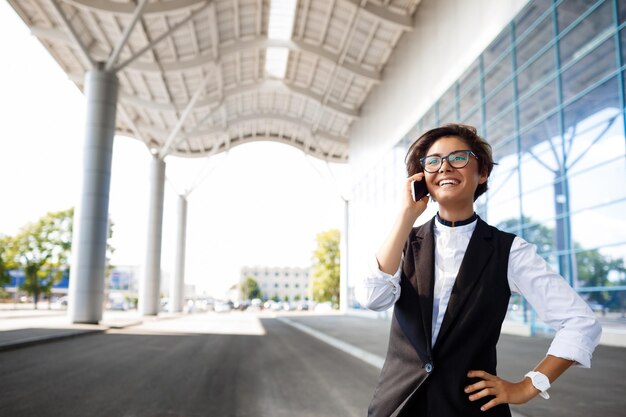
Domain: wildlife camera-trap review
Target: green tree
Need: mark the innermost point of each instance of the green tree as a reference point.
(41, 250)
(592, 268)
(538, 234)
(250, 289)
(4, 265)
(593, 271)
(326, 267)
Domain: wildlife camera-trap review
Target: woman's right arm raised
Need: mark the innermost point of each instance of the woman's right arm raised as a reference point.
(380, 289)
(390, 253)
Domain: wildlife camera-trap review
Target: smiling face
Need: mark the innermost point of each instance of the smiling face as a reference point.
(454, 188)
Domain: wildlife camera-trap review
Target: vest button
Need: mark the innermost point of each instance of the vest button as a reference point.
(428, 367)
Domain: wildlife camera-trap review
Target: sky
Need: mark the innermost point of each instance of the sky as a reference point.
(260, 204)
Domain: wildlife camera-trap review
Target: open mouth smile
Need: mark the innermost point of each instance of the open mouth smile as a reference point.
(447, 182)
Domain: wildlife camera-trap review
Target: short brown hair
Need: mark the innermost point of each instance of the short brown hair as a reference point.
(467, 134)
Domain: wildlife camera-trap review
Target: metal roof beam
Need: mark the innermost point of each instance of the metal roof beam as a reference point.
(74, 36)
(306, 147)
(161, 37)
(335, 108)
(161, 134)
(118, 48)
(115, 7)
(179, 124)
(273, 116)
(58, 35)
(260, 43)
(207, 59)
(264, 86)
(403, 22)
(336, 58)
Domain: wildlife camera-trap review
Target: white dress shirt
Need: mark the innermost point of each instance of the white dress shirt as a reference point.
(556, 303)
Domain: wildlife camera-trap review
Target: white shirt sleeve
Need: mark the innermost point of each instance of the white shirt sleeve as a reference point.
(378, 291)
(556, 302)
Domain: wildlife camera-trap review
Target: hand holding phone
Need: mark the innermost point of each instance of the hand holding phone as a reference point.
(418, 189)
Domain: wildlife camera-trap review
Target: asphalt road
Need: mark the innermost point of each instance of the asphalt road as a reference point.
(242, 365)
(596, 392)
(157, 371)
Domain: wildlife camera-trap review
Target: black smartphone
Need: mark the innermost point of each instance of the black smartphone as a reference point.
(418, 189)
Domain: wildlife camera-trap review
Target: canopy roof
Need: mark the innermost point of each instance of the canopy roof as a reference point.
(192, 75)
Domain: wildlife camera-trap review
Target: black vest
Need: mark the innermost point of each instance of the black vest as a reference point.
(436, 375)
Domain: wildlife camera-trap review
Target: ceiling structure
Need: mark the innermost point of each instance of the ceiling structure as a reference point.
(192, 73)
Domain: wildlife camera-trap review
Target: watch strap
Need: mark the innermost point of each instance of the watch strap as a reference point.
(543, 391)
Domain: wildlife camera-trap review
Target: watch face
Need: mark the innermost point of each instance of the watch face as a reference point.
(540, 381)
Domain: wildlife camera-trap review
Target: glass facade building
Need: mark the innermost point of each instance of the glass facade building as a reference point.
(548, 94)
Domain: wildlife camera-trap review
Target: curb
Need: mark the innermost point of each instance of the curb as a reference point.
(39, 340)
(69, 333)
(62, 334)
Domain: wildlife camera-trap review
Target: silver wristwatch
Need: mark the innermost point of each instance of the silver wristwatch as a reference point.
(541, 382)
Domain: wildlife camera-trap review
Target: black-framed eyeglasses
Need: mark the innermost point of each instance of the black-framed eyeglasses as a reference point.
(456, 159)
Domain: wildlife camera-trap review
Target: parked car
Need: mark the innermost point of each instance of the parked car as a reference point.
(61, 301)
(324, 307)
(597, 307)
(302, 306)
(223, 306)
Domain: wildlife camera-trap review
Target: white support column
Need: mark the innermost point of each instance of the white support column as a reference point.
(343, 267)
(150, 286)
(91, 217)
(177, 287)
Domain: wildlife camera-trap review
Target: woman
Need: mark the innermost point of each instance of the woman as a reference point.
(450, 281)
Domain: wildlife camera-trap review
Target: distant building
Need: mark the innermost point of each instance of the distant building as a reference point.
(124, 278)
(16, 278)
(282, 283)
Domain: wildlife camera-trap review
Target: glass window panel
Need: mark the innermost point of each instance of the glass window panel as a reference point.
(542, 235)
(537, 105)
(603, 97)
(449, 116)
(536, 72)
(428, 119)
(607, 218)
(527, 17)
(500, 101)
(505, 151)
(498, 74)
(470, 77)
(470, 101)
(474, 119)
(543, 141)
(503, 191)
(415, 132)
(481, 207)
(500, 128)
(587, 33)
(570, 10)
(497, 48)
(596, 151)
(447, 101)
(622, 10)
(589, 148)
(590, 69)
(623, 42)
(540, 166)
(597, 186)
(534, 41)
